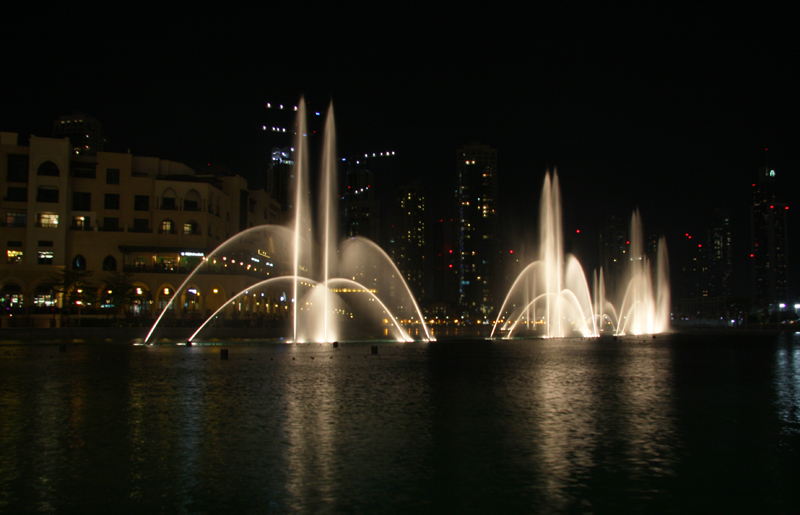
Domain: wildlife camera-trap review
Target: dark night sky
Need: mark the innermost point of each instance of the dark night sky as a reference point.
(669, 110)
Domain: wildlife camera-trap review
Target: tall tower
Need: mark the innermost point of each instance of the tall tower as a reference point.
(361, 205)
(613, 244)
(478, 223)
(770, 257)
(280, 177)
(408, 238)
(720, 257)
(85, 133)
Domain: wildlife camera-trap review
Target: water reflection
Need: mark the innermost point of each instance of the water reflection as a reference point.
(466, 426)
(309, 430)
(647, 410)
(355, 429)
(787, 383)
(582, 415)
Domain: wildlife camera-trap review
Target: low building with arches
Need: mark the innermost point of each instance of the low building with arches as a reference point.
(110, 214)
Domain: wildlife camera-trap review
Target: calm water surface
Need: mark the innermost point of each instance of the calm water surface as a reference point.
(685, 424)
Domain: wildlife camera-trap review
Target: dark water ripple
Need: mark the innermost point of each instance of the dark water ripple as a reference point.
(675, 425)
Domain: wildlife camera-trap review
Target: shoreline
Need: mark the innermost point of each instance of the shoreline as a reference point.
(131, 335)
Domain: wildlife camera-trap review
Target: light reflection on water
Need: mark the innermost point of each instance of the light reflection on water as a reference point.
(460, 426)
(787, 384)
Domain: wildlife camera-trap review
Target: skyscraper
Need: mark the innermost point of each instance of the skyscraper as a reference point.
(361, 205)
(478, 220)
(770, 236)
(85, 133)
(720, 257)
(280, 177)
(408, 236)
(613, 245)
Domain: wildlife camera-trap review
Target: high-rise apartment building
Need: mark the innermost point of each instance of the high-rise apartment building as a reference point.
(770, 237)
(281, 176)
(408, 239)
(478, 223)
(85, 133)
(361, 205)
(612, 251)
(720, 256)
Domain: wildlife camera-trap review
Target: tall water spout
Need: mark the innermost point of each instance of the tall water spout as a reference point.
(302, 215)
(329, 216)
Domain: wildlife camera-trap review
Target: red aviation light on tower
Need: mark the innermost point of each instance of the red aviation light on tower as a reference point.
(577, 231)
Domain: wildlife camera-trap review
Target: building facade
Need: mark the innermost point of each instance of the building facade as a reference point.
(85, 133)
(408, 240)
(114, 213)
(720, 256)
(770, 237)
(478, 230)
(361, 210)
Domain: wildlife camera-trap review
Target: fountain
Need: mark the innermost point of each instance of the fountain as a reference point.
(551, 296)
(356, 290)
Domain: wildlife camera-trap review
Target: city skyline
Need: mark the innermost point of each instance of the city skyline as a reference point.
(668, 111)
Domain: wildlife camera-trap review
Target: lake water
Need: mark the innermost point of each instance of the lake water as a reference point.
(673, 425)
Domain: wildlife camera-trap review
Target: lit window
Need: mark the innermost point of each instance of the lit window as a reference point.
(190, 228)
(47, 220)
(14, 257)
(45, 257)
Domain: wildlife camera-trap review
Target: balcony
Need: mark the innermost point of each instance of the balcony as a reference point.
(81, 227)
(13, 224)
(166, 269)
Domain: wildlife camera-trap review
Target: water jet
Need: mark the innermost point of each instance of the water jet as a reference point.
(337, 292)
(553, 292)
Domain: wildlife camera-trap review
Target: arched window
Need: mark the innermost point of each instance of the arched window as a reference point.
(109, 263)
(48, 168)
(44, 296)
(192, 201)
(191, 227)
(79, 263)
(169, 199)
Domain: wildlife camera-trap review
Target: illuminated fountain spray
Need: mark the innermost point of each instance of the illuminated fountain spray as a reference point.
(350, 292)
(645, 304)
(552, 296)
